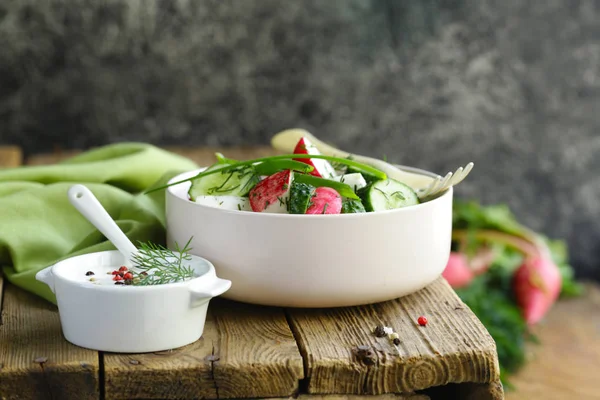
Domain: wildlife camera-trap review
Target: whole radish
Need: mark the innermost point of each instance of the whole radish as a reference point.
(457, 272)
(536, 284)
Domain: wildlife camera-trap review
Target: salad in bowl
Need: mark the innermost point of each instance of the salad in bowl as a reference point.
(303, 183)
(310, 230)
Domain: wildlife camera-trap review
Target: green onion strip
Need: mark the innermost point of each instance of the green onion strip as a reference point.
(359, 166)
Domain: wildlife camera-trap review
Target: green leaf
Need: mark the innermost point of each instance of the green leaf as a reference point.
(343, 189)
(271, 167)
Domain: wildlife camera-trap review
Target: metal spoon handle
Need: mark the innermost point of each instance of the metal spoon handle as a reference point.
(88, 205)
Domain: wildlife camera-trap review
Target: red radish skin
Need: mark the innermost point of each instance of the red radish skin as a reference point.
(537, 284)
(325, 201)
(270, 190)
(457, 272)
(322, 168)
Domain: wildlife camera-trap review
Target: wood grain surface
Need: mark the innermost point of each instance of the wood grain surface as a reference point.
(566, 365)
(35, 360)
(10, 156)
(410, 396)
(245, 352)
(453, 347)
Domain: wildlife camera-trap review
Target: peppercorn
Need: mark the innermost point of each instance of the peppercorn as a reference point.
(92, 279)
(128, 275)
(144, 273)
(123, 268)
(379, 331)
(422, 320)
(396, 341)
(115, 272)
(119, 283)
(89, 273)
(128, 281)
(117, 278)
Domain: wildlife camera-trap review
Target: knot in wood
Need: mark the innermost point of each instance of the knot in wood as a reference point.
(365, 354)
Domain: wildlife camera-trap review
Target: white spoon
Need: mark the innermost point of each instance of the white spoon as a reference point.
(88, 205)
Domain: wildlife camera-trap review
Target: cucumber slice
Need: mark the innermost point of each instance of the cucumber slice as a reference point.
(368, 177)
(351, 206)
(300, 196)
(228, 183)
(387, 195)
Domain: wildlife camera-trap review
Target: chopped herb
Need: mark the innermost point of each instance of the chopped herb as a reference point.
(343, 189)
(325, 207)
(399, 195)
(239, 207)
(382, 192)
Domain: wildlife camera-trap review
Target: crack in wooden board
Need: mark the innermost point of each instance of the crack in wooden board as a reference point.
(246, 352)
(30, 336)
(454, 347)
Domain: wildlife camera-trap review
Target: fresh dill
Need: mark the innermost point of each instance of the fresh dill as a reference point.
(160, 265)
(382, 192)
(399, 195)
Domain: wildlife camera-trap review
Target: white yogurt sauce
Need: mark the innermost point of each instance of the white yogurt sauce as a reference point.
(102, 275)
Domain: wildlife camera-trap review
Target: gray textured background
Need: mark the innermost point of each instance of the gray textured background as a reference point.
(512, 85)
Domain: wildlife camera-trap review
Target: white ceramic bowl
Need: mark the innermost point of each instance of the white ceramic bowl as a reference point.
(315, 260)
(130, 319)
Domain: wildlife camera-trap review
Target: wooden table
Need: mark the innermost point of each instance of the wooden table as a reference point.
(255, 352)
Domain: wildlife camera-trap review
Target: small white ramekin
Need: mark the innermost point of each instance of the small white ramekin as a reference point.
(129, 318)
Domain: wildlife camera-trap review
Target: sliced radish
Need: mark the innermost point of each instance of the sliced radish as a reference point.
(325, 201)
(323, 168)
(272, 194)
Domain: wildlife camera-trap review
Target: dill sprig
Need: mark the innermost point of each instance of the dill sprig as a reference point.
(160, 265)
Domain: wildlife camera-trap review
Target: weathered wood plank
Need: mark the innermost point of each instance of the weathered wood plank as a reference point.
(36, 362)
(412, 396)
(10, 156)
(567, 363)
(453, 348)
(245, 352)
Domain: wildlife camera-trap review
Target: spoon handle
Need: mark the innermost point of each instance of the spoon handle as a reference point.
(88, 205)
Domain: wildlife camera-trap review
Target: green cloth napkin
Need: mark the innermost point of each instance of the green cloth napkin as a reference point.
(39, 226)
